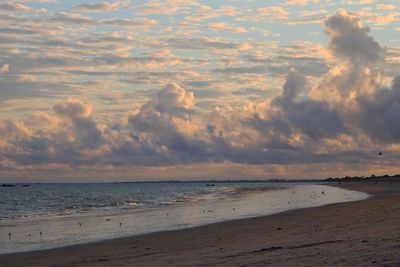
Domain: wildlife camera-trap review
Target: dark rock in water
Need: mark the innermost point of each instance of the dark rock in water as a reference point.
(210, 184)
(8, 185)
(26, 185)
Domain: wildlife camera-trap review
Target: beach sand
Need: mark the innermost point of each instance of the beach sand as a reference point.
(361, 233)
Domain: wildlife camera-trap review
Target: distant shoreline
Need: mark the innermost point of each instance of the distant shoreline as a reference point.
(345, 179)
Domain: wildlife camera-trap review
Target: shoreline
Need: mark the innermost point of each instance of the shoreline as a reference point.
(171, 230)
(224, 204)
(236, 236)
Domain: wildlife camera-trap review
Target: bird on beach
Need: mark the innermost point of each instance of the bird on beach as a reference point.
(120, 224)
(80, 224)
(380, 153)
(41, 233)
(9, 235)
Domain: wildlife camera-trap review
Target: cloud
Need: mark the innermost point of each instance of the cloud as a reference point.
(14, 129)
(300, 2)
(185, 117)
(385, 7)
(203, 43)
(74, 109)
(5, 68)
(97, 7)
(14, 7)
(163, 131)
(173, 100)
(130, 22)
(169, 105)
(314, 118)
(80, 115)
(275, 12)
(360, 2)
(73, 18)
(378, 113)
(378, 18)
(221, 26)
(349, 40)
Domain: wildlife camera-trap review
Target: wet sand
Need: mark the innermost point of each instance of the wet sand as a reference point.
(361, 233)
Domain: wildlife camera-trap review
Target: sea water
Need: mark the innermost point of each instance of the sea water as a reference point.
(43, 216)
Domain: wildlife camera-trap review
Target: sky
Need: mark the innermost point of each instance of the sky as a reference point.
(183, 89)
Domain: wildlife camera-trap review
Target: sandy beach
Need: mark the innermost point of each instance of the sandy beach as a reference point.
(361, 233)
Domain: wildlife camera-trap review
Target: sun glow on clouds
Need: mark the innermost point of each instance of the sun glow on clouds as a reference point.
(182, 89)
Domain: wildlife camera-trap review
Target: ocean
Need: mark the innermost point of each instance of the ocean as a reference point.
(43, 216)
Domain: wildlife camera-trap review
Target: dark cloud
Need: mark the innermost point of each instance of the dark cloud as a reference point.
(379, 113)
(80, 115)
(349, 39)
(314, 118)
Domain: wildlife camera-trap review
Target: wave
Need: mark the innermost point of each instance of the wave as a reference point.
(74, 202)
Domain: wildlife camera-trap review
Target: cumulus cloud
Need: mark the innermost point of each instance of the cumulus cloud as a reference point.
(168, 112)
(173, 100)
(349, 40)
(14, 129)
(73, 108)
(378, 113)
(80, 115)
(314, 118)
(161, 132)
(14, 134)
